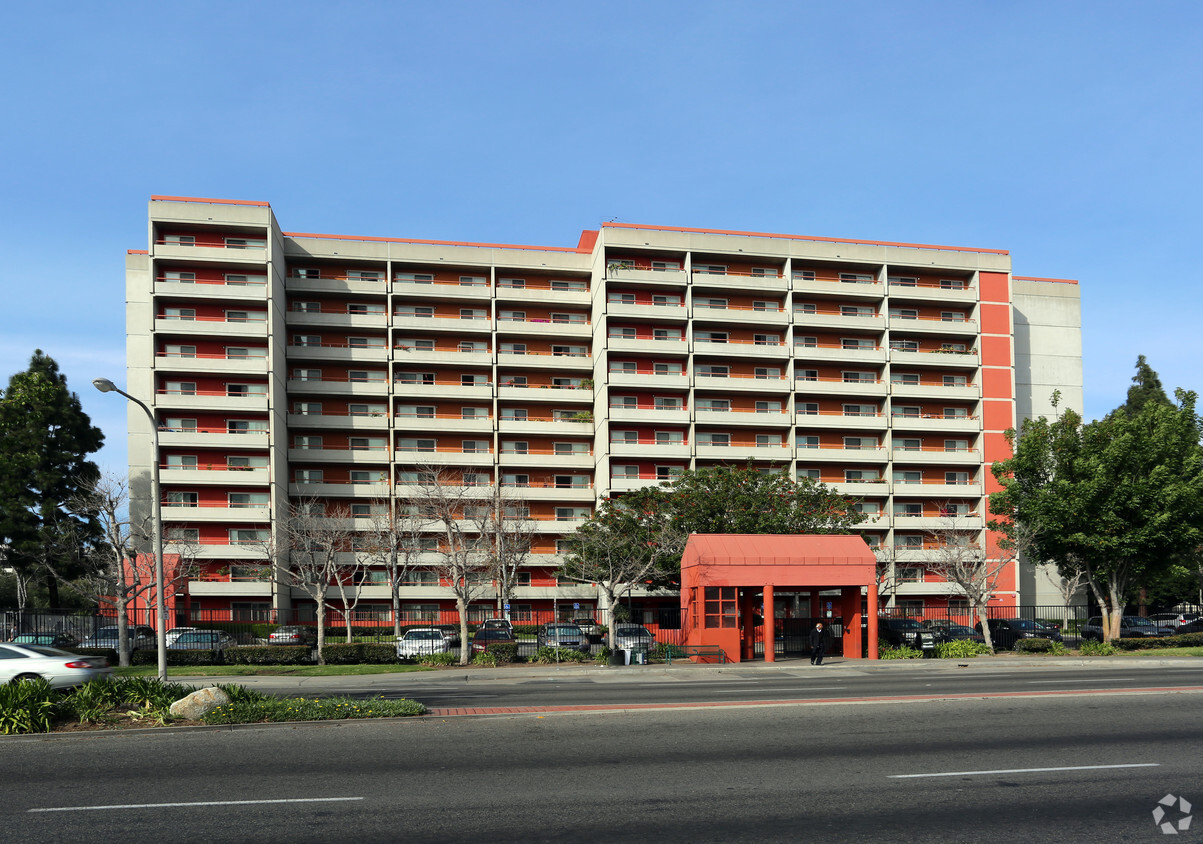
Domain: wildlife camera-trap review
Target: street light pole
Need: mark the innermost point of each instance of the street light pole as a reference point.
(107, 386)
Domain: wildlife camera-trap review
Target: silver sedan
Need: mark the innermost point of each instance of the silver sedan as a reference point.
(59, 668)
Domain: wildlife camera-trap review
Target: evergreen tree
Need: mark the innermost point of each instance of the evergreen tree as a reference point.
(45, 440)
(1146, 387)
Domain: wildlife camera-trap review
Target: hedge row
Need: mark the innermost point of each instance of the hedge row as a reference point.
(1185, 640)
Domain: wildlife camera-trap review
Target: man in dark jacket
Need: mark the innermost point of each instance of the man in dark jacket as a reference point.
(818, 644)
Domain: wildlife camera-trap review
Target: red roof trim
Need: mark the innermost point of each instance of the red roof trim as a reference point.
(855, 242)
(1053, 280)
(573, 249)
(210, 201)
(137, 252)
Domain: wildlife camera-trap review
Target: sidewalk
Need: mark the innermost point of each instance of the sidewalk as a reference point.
(682, 670)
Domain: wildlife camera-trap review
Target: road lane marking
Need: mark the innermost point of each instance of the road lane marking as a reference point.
(800, 689)
(204, 803)
(1023, 770)
(1095, 680)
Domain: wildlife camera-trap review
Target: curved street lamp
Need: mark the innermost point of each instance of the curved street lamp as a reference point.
(107, 386)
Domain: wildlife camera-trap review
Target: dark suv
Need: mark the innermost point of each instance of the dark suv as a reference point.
(1005, 632)
(1130, 627)
(563, 634)
(898, 632)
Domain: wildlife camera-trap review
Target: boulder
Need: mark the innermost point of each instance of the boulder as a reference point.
(196, 705)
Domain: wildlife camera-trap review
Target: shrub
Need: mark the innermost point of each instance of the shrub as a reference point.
(546, 655)
(602, 657)
(664, 650)
(200, 656)
(1057, 648)
(1033, 646)
(1090, 648)
(449, 658)
(496, 655)
(149, 692)
(360, 653)
(246, 711)
(269, 655)
(961, 649)
(29, 706)
(885, 651)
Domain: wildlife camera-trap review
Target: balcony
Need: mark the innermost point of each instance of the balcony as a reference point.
(254, 326)
(935, 392)
(932, 292)
(546, 360)
(253, 291)
(337, 387)
(544, 296)
(549, 492)
(937, 489)
(442, 390)
(661, 313)
(632, 484)
(840, 387)
(835, 320)
(332, 421)
(646, 345)
(210, 474)
(224, 254)
(649, 451)
(547, 458)
(938, 456)
(743, 417)
(936, 423)
(173, 513)
(230, 588)
(367, 456)
(834, 419)
(443, 422)
(835, 287)
(457, 325)
(935, 358)
(622, 271)
(307, 319)
(509, 391)
(649, 415)
(339, 353)
(545, 426)
(906, 523)
(839, 454)
(733, 280)
(934, 325)
(211, 438)
(442, 456)
(212, 364)
(729, 453)
(647, 381)
(442, 289)
(358, 286)
(861, 489)
(209, 400)
(839, 353)
(741, 349)
(404, 356)
(546, 328)
(742, 383)
(777, 319)
(343, 489)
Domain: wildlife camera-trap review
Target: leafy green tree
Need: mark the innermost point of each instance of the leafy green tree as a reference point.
(1119, 498)
(45, 440)
(1146, 387)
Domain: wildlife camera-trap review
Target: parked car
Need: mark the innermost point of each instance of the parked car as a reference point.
(491, 637)
(203, 640)
(295, 634)
(909, 632)
(1005, 632)
(1173, 619)
(53, 640)
(562, 634)
(57, 667)
(138, 635)
(1195, 626)
(953, 631)
(1130, 627)
(419, 641)
(499, 624)
(450, 633)
(633, 637)
(176, 632)
(590, 628)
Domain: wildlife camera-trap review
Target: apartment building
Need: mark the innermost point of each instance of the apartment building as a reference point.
(336, 369)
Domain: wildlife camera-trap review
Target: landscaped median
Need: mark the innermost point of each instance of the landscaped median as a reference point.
(31, 706)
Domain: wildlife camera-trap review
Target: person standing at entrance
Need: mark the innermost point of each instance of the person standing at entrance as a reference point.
(818, 644)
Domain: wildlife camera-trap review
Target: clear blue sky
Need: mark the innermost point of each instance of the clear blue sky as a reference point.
(1067, 133)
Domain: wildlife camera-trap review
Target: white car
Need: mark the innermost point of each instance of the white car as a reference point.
(421, 641)
(633, 637)
(176, 632)
(57, 667)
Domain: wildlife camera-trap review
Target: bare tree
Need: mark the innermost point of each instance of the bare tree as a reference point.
(887, 573)
(959, 557)
(507, 533)
(320, 557)
(463, 556)
(393, 539)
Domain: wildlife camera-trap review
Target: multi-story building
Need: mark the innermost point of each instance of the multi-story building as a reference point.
(283, 365)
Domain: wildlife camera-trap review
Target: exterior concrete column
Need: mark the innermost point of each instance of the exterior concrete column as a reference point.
(871, 630)
(747, 614)
(770, 625)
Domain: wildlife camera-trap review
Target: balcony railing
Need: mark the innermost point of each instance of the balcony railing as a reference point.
(250, 281)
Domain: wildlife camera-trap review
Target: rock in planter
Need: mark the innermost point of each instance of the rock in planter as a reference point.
(197, 704)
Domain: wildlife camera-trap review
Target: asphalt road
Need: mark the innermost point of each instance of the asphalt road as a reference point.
(547, 686)
(1062, 769)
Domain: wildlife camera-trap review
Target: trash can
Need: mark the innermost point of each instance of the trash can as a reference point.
(639, 657)
(626, 656)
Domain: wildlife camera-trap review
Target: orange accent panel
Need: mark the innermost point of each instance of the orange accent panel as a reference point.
(805, 237)
(998, 415)
(995, 446)
(995, 287)
(996, 384)
(996, 351)
(210, 201)
(996, 319)
(587, 241)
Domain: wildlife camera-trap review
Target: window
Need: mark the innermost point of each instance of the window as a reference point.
(860, 410)
(414, 444)
(480, 381)
(713, 371)
(766, 339)
(473, 413)
(804, 275)
(179, 277)
(909, 540)
(955, 381)
(472, 281)
(512, 283)
(666, 300)
(624, 436)
(854, 377)
(570, 448)
(767, 372)
(172, 350)
(908, 444)
(307, 442)
(513, 348)
(807, 474)
(511, 479)
(314, 340)
(629, 472)
(710, 269)
(180, 388)
(907, 378)
(179, 313)
(861, 476)
(308, 476)
(952, 347)
(245, 426)
(806, 342)
(908, 477)
(856, 278)
(366, 443)
(808, 408)
(181, 461)
(569, 514)
(245, 353)
(668, 368)
(245, 463)
(956, 445)
(668, 403)
(359, 308)
(710, 336)
(666, 334)
(952, 316)
(956, 413)
(860, 443)
(177, 425)
(246, 536)
(182, 535)
(472, 313)
(902, 281)
(714, 405)
(306, 272)
(857, 343)
(807, 375)
(952, 284)
(514, 414)
(720, 607)
(867, 508)
(473, 346)
(240, 279)
(903, 313)
(670, 437)
(624, 401)
(718, 440)
(365, 410)
(569, 351)
(559, 284)
(247, 499)
(477, 479)
(416, 278)
(909, 509)
(857, 310)
(365, 342)
(954, 510)
(180, 239)
(363, 476)
(905, 411)
(512, 316)
(957, 478)
(768, 441)
(669, 473)
(805, 308)
(706, 302)
(617, 333)
(515, 447)
(245, 243)
(910, 574)
(902, 345)
(621, 298)
(365, 275)
(665, 266)
(768, 407)
(624, 366)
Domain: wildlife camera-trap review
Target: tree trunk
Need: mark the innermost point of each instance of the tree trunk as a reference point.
(984, 622)
(321, 632)
(52, 597)
(465, 647)
(396, 595)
